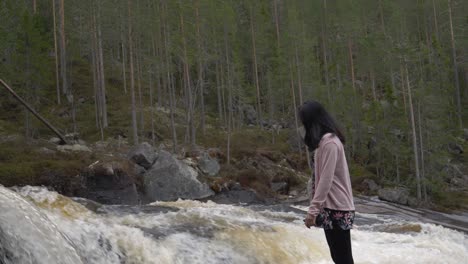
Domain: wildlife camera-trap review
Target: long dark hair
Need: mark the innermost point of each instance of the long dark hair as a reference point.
(317, 122)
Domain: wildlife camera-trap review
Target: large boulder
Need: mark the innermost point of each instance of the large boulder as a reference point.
(111, 183)
(208, 165)
(170, 179)
(371, 185)
(143, 155)
(395, 195)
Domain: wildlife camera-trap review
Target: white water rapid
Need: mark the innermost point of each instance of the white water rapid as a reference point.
(40, 226)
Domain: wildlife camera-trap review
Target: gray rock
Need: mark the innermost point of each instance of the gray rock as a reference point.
(73, 148)
(395, 195)
(371, 185)
(138, 170)
(455, 148)
(45, 151)
(280, 187)
(170, 179)
(109, 183)
(143, 155)
(237, 196)
(55, 140)
(208, 165)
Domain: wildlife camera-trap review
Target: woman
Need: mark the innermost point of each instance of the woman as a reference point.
(331, 205)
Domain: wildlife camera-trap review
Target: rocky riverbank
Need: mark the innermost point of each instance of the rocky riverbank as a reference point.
(113, 172)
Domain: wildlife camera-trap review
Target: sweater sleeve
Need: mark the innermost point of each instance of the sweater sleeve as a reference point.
(327, 165)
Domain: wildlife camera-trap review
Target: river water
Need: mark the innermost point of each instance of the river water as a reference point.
(40, 226)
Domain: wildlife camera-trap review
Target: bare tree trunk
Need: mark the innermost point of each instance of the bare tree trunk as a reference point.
(34, 7)
(413, 129)
(436, 24)
(351, 63)
(101, 71)
(200, 69)
(218, 92)
(229, 88)
(402, 79)
(275, 4)
(374, 93)
(169, 82)
(293, 95)
(57, 81)
(95, 70)
(325, 53)
(397, 158)
(455, 68)
(421, 145)
(299, 79)
(271, 109)
(124, 58)
(153, 139)
(140, 93)
(36, 114)
(132, 77)
(255, 69)
(190, 101)
(382, 21)
(63, 53)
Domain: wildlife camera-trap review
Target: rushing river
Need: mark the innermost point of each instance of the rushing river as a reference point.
(40, 226)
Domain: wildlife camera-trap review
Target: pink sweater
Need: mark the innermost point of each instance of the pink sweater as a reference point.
(332, 180)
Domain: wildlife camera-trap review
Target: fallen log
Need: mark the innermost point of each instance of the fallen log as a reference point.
(36, 114)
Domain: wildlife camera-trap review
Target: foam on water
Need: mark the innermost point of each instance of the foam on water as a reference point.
(212, 233)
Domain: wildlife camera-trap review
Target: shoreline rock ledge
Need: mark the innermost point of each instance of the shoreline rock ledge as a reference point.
(167, 178)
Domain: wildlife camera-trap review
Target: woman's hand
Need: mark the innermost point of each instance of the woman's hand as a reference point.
(309, 220)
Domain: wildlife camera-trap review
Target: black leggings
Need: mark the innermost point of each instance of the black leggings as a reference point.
(339, 242)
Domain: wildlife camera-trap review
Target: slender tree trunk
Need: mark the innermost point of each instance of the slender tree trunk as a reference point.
(293, 95)
(132, 77)
(421, 145)
(275, 4)
(325, 53)
(436, 24)
(153, 138)
(140, 93)
(169, 82)
(190, 101)
(255, 68)
(413, 129)
(124, 58)
(57, 81)
(101, 71)
(271, 109)
(218, 92)
(382, 21)
(455, 68)
(351, 63)
(96, 76)
(374, 93)
(229, 88)
(200, 69)
(299, 79)
(397, 158)
(63, 53)
(402, 79)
